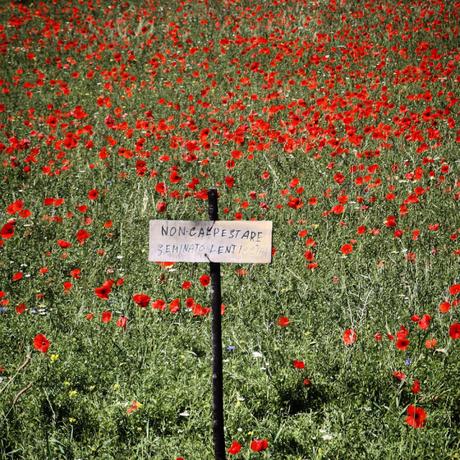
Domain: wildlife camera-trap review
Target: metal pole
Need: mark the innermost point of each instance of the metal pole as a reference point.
(216, 333)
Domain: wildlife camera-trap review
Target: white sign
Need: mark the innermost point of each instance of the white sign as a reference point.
(238, 241)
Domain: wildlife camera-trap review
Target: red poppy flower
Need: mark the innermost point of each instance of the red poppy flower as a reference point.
(398, 375)
(64, 244)
(430, 343)
(205, 280)
(415, 387)
(7, 231)
(378, 336)
(122, 321)
(15, 207)
(229, 181)
(346, 249)
(199, 310)
(17, 276)
(21, 308)
(454, 331)
(161, 206)
(402, 344)
(390, 221)
(283, 321)
(349, 337)
(93, 194)
(298, 364)
(41, 343)
(416, 416)
(444, 307)
(234, 448)
(103, 291)
(141, 299)
(82, 235)
(75, 273)
(258, 445)
(106, 316)
(454, 289)
(158, 304)
(174, 306)
(424, 323)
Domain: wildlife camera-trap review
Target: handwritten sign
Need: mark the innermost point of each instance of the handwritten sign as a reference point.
(203, 241)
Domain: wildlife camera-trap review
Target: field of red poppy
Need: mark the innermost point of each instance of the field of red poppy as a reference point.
(337, 121)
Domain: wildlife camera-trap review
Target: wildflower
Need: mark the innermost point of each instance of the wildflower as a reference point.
(415, 387)
(283, 321)
(106, 316)
(258, 445)
(234, 448)
(416, 416)
(134, 406)
(349, 337)
(454, 331)
(398, 375)
(298, 364)
(7, 231)
(122, 322)
(205, 280)
(402, 344)
(141, 299)
(454, 289)
(41, 343)
(346, 249)
(103, 291)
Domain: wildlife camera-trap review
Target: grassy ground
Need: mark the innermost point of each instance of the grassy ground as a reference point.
(337, 121)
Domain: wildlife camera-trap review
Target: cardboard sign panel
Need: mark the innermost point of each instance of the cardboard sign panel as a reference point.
(203, 241)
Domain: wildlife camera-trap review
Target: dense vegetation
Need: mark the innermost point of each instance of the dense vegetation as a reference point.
(337, 121)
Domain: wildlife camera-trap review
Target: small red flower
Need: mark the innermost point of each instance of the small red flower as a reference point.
(298, 364)
(402, 344)
(174, 306)
(454, 289)
(17, 276)
(415, 387)
(64, 244)
(158, 304)
(454, 331)
(444, 307)
(283, 321)
(141, 299)
(234, 448)
(103, 291)
(106, 316)
(346, 249)
(424, 323)
(21, 308)
(398, 375)
(205, 280)
(258, 445)
(41, 343)
(378, 336)
(7, 231)
(416, 416)
(161, 206)
(122, 321)
(93, 194)
(82, 235)
(349, 337)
